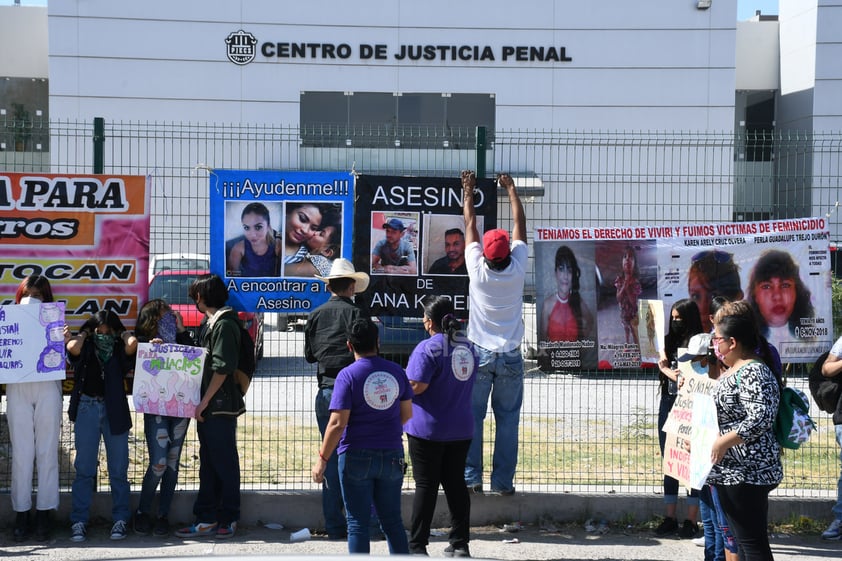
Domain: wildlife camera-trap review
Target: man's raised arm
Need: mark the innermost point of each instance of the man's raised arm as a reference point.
(469, 183)
(518, 216)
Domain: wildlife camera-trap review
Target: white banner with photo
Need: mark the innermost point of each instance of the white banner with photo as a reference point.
(589, 283)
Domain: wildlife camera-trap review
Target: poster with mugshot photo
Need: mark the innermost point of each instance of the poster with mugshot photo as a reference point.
(400, 226)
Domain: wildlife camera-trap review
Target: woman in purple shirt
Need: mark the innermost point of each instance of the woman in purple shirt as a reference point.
(441, 372)
(371, 401)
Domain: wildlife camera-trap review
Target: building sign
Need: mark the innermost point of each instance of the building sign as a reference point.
(242, 47)
(590, 281)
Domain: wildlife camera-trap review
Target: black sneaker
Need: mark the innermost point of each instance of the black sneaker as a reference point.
(142, 524)
(162, 527)
(688, 530)
(457, 551)
(668, 526)
(21, 531)
(42, 525)
(475, 489)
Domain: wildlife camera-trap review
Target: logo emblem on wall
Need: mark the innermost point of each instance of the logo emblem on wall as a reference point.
(241, 47)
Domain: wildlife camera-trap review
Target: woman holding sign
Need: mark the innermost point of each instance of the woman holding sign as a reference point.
(158, 323)
(34, 414)
(684, 322)
(746, 455)
(102, 354)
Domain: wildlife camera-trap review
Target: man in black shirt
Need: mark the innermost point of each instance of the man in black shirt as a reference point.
(325, 342)
(453, 263)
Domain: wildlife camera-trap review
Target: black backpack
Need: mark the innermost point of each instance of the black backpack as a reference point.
(246, 365)
(825, 391)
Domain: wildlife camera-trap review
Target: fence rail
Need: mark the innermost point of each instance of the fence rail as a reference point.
(588, 430)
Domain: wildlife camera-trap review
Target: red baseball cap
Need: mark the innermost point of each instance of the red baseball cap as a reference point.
(495, 244)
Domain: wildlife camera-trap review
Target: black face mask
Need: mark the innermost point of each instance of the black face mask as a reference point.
(678, 326)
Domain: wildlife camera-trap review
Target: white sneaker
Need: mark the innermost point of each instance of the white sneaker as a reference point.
(834, 531)
(700, 541)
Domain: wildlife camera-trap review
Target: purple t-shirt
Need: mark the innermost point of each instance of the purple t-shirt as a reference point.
(443, 411)
(372, 389)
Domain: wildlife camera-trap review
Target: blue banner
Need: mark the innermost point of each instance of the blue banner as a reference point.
(272, 232)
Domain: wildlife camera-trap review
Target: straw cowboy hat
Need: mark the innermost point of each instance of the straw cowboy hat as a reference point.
(341, 269)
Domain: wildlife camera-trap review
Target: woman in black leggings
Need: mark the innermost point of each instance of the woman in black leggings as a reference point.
(746, 456)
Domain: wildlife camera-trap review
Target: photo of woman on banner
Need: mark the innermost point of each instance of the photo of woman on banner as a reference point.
(256, 252)
(564, 316)
(302, 220)
(323, 246)
(566, 291)
(394, 238)
(779, 297)
(712, 273)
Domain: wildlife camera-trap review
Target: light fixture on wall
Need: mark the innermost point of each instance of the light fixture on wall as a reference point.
(703, 4)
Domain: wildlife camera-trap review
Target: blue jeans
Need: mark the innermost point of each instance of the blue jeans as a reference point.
(714, 545)
(373, 476)
(331, 489)
(837, 508)
(164, 438)
(501, 376)
(91, 424)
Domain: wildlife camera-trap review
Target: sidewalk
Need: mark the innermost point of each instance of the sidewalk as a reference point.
(567, 543)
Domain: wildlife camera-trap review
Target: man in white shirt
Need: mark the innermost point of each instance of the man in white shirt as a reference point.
(496, 273)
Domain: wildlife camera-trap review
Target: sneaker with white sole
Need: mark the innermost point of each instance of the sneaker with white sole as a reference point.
(700, 541)
(226, 531)
(78, 532)
(118, 530)
(834, 531)
(197, 530)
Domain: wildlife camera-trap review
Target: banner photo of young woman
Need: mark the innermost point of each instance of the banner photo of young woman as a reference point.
(410, 237)
(782, 267)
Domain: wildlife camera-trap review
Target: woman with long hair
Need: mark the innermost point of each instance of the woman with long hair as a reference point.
(33, 411)
(565, 317)
(158, 323)
(441, 371)
(258, 253)
(684, 322)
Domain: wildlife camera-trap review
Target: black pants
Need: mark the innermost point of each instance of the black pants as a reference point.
(218, 499)
(747, 509)
(435, 463)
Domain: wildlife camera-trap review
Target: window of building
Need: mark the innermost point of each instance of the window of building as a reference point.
(389, 120)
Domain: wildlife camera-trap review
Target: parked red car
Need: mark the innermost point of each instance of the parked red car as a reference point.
(173, 287)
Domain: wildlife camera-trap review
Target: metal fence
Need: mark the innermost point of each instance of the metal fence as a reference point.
(587, 431)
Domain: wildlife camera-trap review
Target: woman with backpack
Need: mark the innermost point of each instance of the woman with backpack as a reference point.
(746, 455)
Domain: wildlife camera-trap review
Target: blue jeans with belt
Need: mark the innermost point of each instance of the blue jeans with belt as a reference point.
(91, 424)
(499, 375)
(373, 476)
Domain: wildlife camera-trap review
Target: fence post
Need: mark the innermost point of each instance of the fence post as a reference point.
(481, 152)
(99, 143)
